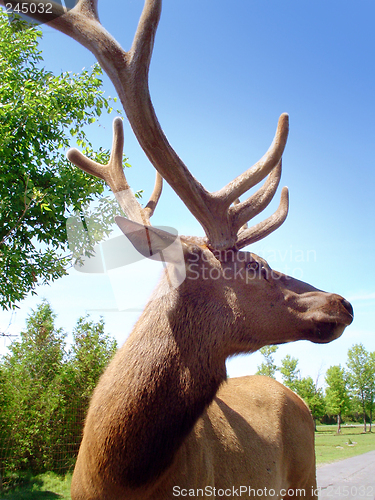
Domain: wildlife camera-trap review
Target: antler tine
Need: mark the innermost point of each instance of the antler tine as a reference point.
(155, 196)
(143, 42)
(264, 228)
(263, 167)
(113, 174)
(242, 212)
(236, 202)
(88, 8)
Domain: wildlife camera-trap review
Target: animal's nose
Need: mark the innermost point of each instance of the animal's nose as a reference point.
(348, 307)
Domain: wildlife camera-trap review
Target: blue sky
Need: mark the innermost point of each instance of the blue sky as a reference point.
(221, 74)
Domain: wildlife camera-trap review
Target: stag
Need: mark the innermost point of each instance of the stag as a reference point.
(163, 420)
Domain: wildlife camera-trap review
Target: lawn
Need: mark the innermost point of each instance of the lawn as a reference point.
(48, 486)
(330, 447)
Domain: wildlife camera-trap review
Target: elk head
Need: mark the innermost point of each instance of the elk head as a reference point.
(261, 305)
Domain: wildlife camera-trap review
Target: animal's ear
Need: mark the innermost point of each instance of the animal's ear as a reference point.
(152, 242)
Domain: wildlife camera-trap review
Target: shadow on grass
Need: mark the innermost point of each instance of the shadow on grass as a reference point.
(27, 488)
(26, 494)
(343, 434)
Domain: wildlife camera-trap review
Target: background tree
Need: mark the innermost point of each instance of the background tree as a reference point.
(361, 377)
(31, 372)
(90, 353)
(336, 395)
(313, 397)
(40, 116)
(4, 422)
(370, 399)
(268, 367)
(290, 372)
(88, 356)
(304, 387)
(44, 390)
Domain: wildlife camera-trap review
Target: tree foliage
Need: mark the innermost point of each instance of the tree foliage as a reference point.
(361, 377)
(268, 367)
(370, 400)
(31, 370)
(337, 397)
(304, 387)
(90, 353)
(312, 395)
(290, 372)
(41, 114)
(45, 390)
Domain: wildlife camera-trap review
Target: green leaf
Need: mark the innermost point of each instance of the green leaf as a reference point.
(41, 115)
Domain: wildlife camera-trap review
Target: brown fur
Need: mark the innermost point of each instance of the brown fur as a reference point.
(154, 421)
(256, 433)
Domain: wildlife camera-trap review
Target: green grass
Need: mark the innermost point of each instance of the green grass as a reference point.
(48, 486)
(331, 447)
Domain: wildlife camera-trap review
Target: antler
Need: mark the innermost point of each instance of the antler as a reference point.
(129, 74)
(113, 175)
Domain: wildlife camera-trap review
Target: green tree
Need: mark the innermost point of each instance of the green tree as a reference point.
(45, 391)
(4, 419)
(32, 371)
(40, 115)
(370, 400)
(361, 377)
(290, 372)
(336, 395)
(268, 367)
(313, 397)
(90, 353)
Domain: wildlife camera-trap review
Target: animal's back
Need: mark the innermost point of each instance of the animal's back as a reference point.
(257, 434)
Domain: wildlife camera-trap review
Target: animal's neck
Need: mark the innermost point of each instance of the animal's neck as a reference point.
(155, 390)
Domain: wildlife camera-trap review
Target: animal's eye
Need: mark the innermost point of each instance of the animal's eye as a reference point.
(253, 266)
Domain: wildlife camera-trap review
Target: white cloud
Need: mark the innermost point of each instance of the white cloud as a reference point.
(362, 296)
